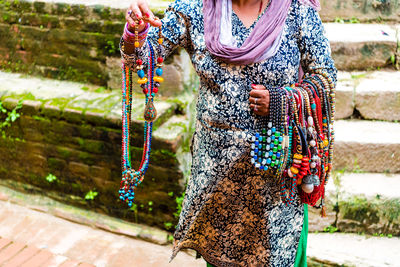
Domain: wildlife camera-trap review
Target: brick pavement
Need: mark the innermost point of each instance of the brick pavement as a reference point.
(30, 237)
(14, 253)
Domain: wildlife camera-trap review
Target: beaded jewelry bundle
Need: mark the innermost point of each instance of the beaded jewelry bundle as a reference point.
(295, 142)
(132, 178)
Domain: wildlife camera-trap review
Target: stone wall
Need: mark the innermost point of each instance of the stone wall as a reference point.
(71, 42)
(84, 153)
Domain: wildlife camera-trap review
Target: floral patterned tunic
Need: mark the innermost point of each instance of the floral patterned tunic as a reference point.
(232, 213)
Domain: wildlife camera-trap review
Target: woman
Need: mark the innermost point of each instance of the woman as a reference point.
(232, 213)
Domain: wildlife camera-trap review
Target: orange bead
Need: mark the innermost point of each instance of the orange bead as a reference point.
(137, 44)
(158, 79)
(160, 40)
(142, 80)
(298, 156)
(294, 170)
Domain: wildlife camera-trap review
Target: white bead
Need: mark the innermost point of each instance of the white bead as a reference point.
(313, 165)
(310, 121)
(264, 162)
(310, 130)
(257, 165)
(253, 146)
(290, 173)
(253, 160)
(308, 188)
(269, 132)
(253, 138)
(252, 153)
(313, 143)
(268, 147)
(298, 161)
(270, 124)
(269, 140)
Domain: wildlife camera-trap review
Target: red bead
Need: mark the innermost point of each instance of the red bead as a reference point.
(160, 60)
(139, 62)
(297, 166)
(303, 173)
(145, 91)
(305, 159)
(155, 90)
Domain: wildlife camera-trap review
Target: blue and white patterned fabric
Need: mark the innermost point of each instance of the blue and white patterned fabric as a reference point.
(232, 213)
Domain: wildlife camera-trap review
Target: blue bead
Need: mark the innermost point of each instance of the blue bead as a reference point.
(259, 153)
(256, 150)
(261, 167)
(271, 145)
(260, 160)
(273, 129)
(271, 153)
(255, 157)
(159, 71)
(256, 143)
(278, 155)
(140, 73)
(257, 135)
(268, 161)
(280, 139)
(273, 137)
(260, 138)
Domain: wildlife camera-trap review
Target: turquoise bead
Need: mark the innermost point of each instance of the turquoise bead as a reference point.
(159, 71)
(140, 73)
(313, 106)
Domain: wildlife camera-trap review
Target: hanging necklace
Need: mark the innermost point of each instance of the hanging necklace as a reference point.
(260, 9)
(132, 178)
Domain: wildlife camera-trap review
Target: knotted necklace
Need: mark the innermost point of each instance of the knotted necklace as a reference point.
(131, 178)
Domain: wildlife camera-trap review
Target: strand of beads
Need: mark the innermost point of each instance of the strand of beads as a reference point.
(267, 146)
(131, 178)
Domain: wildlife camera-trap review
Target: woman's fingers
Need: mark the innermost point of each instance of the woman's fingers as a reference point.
(136, 13)
(258, 87)
(259, 100)
(259, 110)
(148, 16)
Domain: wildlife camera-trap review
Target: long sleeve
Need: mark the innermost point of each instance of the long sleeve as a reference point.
(314, 46)
(174, 33)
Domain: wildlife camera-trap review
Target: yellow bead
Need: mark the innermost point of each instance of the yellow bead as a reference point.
(326, 142)
(137, 44)
(160, 40)
(298, 156)
(158, 79)
(142, 80)
(294, 170)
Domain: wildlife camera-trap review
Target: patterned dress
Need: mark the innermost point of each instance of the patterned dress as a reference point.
(232, 213)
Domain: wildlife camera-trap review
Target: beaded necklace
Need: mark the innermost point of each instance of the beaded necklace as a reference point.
(132, 178)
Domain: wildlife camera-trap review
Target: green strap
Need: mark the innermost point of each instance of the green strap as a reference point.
(301, 256)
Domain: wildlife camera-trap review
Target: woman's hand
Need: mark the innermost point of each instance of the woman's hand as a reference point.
(140, 9)
(259, 100)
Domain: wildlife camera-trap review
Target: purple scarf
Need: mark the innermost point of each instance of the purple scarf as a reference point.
(263, 41)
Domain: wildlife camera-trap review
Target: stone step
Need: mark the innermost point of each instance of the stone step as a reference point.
(363, 11)
(348, 10)
(360, 203)
(374, 94)
(353, 250)
(76, 101)
(362, 46)
(369, 146)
